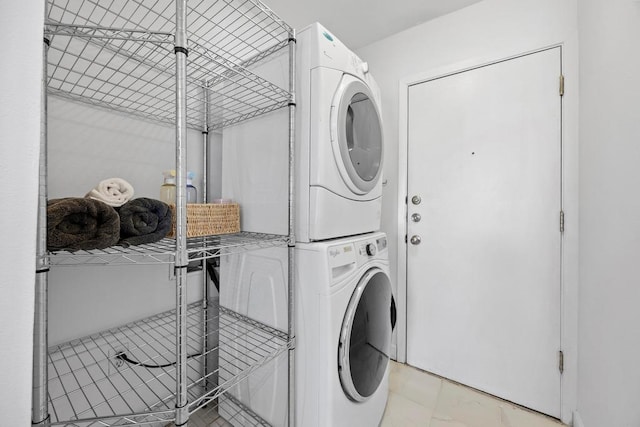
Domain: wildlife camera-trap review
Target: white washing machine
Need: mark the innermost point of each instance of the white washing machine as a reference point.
(338, 138)
(343, 331)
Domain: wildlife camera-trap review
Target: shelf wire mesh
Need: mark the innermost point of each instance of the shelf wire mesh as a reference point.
(119, 55)
(89, 385)
(163, 251)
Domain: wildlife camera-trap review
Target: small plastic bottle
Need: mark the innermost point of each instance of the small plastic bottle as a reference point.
(192, 193)
(168, 189)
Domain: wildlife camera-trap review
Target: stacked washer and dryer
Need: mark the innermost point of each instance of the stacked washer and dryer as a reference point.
(345, 313)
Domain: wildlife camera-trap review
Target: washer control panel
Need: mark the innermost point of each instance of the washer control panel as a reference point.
(371, 248)
(341, 255)
(347, 255)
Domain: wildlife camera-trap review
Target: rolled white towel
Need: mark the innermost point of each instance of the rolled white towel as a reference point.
(113, 191)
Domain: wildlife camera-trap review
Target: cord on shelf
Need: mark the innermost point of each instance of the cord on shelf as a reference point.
(123, 356)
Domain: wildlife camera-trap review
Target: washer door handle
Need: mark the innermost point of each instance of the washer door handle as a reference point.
(393, 312)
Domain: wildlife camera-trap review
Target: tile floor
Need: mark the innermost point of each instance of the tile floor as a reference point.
(417, 398)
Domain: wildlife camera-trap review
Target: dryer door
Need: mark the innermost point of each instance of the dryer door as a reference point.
(356, 135)
(365, 337)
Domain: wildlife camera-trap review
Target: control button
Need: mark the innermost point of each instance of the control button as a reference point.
(371, 249)
(382, 243)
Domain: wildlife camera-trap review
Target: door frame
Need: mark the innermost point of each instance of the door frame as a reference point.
(568, 292)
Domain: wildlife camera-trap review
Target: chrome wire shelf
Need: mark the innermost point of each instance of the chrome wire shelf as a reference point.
(242, 28)
(90, 386)
(120, 56)
(163, 251)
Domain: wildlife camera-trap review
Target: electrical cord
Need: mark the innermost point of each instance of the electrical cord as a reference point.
(123, 356)
(211, 268)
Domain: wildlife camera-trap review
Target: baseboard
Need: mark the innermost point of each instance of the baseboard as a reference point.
(577, 421)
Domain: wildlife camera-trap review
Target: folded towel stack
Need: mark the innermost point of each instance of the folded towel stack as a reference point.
(79, 223)
(113, 191)
(105, 217)
(144, 220)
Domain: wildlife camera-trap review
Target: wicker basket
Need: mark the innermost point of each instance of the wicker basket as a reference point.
(209, 219)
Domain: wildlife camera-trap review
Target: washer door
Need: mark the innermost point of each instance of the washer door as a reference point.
(365, 337)
(356, 135)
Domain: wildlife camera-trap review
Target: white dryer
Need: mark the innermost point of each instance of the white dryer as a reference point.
(339, 140)
(343, 331)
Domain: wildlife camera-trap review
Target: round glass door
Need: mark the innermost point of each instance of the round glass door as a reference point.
(365, 337)
(359, 135)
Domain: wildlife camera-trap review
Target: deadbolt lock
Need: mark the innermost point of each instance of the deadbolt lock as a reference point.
(416, 200)
(416, 217)
(415, 240)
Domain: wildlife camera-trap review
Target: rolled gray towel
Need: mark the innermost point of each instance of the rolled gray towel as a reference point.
(75, 223)
(144, 220)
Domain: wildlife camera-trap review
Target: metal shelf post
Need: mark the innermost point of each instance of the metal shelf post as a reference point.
(181, 259)
(40, 409)
(292, 230)
(205, 282)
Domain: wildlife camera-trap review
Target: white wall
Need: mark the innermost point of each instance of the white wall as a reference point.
(87, 145)
(487, 31)
(609, 346)
(255, 170)
(20, 125)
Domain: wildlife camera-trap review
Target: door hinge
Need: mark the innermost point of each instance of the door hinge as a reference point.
(561, 361)
(562, 221)
(561, 85)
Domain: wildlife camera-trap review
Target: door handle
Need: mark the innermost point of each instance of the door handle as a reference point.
(416, 240)
(416, 217)
(416, 200)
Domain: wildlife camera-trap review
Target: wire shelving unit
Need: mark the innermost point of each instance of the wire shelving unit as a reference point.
(187, 65)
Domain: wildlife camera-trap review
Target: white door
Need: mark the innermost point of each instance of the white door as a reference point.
(483, 283)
